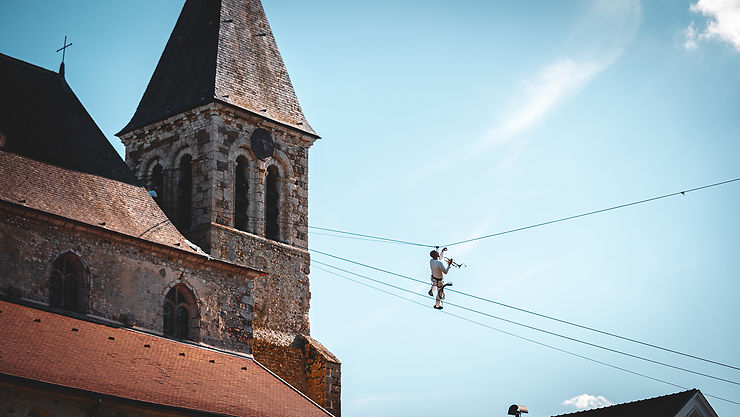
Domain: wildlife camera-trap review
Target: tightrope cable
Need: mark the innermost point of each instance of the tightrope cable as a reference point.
(545, 316)
(527, 339)
(573, 339)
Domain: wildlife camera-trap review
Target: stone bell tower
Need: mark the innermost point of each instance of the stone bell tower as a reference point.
(222, 143)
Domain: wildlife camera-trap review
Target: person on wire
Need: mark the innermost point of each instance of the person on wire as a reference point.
(438, 270)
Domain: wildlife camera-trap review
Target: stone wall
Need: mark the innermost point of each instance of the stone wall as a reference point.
(305, 364)
(215, 135)
(127, 278)
(282, 297)
(287, 362)
(324, 375)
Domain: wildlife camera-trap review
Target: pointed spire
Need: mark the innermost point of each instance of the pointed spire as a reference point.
(221, 50)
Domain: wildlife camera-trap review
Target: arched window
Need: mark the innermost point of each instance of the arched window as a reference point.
(156, 182)
(184, 193)
(67, 284)
(241, 194)
(272, 204)
(37, 412)
(180, 314)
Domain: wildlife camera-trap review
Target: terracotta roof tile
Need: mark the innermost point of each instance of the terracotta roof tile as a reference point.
(168, 373)
(97, 201)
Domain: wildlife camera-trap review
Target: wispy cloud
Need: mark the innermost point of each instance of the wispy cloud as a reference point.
(605, 29)
(723, 23)
(555, 82)
(587, 401)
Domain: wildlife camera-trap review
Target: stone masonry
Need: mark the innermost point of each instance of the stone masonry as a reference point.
(127, 278)
(214, 136)
(236, 83)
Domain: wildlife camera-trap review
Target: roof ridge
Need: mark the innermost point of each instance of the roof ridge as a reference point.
(631, 402)
(32, 66)
(44, 120)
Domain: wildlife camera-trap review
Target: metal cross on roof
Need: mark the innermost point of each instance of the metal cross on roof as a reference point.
(64, 48)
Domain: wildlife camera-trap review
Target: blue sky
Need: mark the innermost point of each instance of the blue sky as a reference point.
(446, 120)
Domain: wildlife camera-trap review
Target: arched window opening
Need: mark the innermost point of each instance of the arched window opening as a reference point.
(241, 194)
(37, 412)
(156, 182)
(67, 285)
(184, 193)
(272, 203)
(180, 316)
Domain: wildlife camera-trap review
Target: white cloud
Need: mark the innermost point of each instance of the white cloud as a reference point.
(555, 82)
(587, 401)
(723, 23)
(596, 43)
(691, 37)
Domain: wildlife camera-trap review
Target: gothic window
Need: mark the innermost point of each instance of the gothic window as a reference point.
(67, 284)
(272, 202)
(184, 193)
(180, 314)
(156, 182)
(241, 194)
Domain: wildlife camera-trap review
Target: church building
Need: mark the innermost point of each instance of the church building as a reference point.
(175, 282)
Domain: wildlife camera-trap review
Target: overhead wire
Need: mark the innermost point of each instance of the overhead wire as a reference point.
(518, 229)
(593, 212)
(326, 229)
(545, 316)
(527, 339)
(412, 243)
(379, 238)
(516, 323)
(570, 323)
(348, 237)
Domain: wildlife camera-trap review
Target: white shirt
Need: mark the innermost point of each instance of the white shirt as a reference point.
(438, 268)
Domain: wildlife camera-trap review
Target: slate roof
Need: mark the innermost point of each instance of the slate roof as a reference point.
(167, 372)
(664, 406)
(91, 199)
(42, 119)
(221, 50)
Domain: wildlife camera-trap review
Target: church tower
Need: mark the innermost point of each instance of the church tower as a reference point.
(220, 140)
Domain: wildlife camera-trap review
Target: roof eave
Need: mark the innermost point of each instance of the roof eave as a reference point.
(131, 127)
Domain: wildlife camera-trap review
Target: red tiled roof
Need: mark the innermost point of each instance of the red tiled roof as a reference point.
(50, 351)
(97, 201)
(664, 406)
